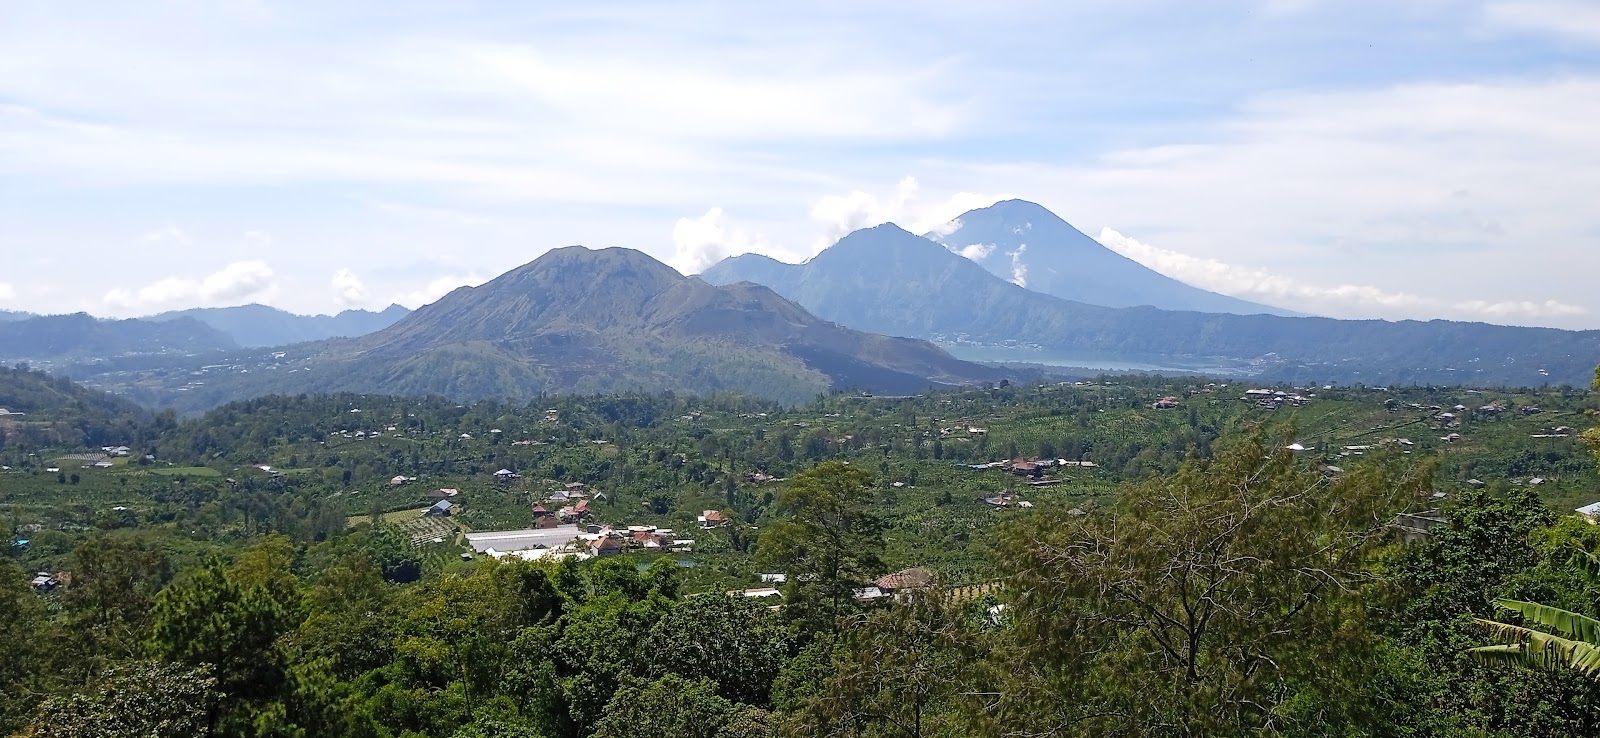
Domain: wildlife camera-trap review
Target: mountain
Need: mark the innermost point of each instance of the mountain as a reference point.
(1024, 243)
(7, 316)
(260, 325)
(82, 336)
(576, 320)
(886, 280)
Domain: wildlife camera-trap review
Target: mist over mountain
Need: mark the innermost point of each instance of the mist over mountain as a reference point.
(261, 325)
(1024, 243)
(887, 280)
(13, 315)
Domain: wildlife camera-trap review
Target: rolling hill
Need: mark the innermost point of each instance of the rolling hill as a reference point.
(886, 280)
(1024, 243)
(261, 325)
(82, 336)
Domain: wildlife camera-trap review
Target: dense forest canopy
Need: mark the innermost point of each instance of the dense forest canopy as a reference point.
(1127, 556)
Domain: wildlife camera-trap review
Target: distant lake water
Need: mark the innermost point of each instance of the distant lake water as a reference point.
(1003, 354)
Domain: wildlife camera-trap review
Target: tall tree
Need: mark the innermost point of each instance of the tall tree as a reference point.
(228, 630)
(1205, 603)
(827, 540)
(899, 674)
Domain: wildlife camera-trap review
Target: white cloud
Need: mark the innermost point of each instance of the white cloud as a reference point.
(1574, 18)
(838, 215)
(1340, 300)
(436, 288)
(230, 285)
(1019, 270)
(7, 292)
(697, 243)
(349, 289)
(975, 252)
(167, 235)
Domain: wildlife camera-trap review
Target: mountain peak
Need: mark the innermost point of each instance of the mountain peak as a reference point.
(1027, 244)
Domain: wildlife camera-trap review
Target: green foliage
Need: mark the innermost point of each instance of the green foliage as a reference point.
(1198, 604)
(734, 642)
(133, 700)
(671, 705)
(827, 540)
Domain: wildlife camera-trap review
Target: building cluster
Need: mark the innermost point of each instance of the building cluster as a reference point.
(572, 540)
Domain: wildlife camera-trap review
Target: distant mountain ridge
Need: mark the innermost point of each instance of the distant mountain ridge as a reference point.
(580, 320)
(262, 325)
(7, 316)
(1025, 243)
(887, 280)
(82, 336)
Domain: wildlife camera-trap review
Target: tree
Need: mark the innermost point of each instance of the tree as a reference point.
(230, 631)
(898, 674)
(22, 617)
(826, 540)
(133, 700)
(670, 706)
(115, 580)
(1573, 643)
(732, 641)
(1204, 603)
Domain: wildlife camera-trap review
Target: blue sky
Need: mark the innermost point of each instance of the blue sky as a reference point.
(1400, 159)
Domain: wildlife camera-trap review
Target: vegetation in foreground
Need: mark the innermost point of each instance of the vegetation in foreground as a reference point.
(1200, 579)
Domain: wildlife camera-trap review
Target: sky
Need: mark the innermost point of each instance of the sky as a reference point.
(1352, 158)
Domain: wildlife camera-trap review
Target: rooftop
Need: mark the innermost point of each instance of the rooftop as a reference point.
(519, 540)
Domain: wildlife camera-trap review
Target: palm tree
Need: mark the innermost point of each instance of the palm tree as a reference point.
(1572, 643)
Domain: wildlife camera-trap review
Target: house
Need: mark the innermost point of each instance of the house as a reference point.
(103, 465)
(546, 522)
(772, 578)
(606, 546)
(1025, 468)
(868, 594)
(400, 481)
(712, 519)
(648, 539)
(1415, 527)
(540, 511)
(440, 509)
(505, 475)
(43, 582)
(757, 592)
(1591, 512)
(1165, 403)
(442, 493)
(906, 580)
